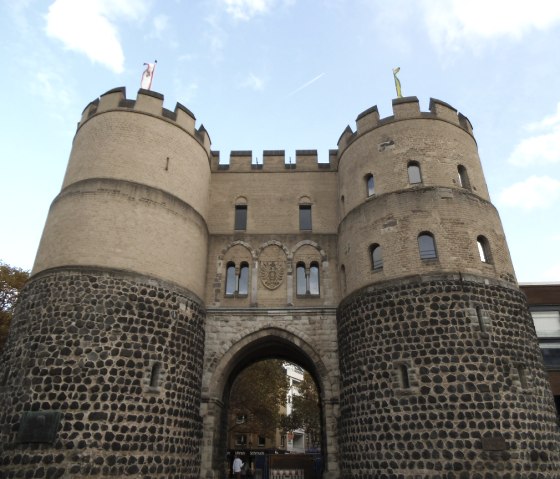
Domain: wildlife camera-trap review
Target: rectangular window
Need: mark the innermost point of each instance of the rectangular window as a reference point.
(304, 217)
(551, 355)
(262, 441)
(547, 323)
(240, 217)
(240, 439)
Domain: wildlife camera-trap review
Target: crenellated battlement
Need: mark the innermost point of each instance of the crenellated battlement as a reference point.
(407, 108)
(147, 102)
(273, 161)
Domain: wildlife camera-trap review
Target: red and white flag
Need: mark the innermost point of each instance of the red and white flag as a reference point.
(148, 76)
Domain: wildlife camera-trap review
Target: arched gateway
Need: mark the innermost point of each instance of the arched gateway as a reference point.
(264, 340)
(162, 272)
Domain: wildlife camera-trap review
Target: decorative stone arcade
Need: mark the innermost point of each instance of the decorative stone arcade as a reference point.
(162, 272)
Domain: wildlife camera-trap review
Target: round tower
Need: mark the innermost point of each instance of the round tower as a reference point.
(104, 360)
(441, 371)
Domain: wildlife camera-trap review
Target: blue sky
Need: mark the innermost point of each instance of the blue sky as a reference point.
(289, 74)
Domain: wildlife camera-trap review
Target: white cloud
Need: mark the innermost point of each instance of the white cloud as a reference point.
(452, 22)
(254, 82)
(216, 36)
(247, 9)
(160, 26)
(89, 27)
(51, 87)
(534, 192)
(542, 148)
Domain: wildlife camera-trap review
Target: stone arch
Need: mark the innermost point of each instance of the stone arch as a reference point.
(276, 243)
(235, 243)
(309, 243)
(244, 349)
(232, 358)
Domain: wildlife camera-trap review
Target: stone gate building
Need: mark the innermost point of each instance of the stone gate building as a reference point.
(162, 273)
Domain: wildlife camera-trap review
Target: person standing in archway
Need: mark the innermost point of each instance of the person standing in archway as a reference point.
(237, 465)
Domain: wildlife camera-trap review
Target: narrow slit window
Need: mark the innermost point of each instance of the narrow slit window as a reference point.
(483, 249)
(521, 373)
(305, 217)
(154, 375)
(427, 246)
(414, 173)
(376, 257)
(370, 185)
(463, 177)
(240, 217)
(404, 377)
(343, 278)
(481, 324)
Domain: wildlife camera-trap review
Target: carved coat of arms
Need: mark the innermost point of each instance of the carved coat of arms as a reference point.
(271, 274)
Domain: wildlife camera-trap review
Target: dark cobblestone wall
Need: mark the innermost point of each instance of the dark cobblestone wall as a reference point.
(120, 357)
(443, 378)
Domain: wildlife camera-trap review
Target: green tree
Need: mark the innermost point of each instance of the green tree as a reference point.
(257, 395)
(11, 281)
(306, 411)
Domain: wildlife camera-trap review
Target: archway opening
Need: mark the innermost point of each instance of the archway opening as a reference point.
(264, 368)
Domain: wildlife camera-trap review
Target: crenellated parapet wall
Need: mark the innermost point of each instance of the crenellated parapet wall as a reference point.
(407, 108)
(273, 161)
(150, 103)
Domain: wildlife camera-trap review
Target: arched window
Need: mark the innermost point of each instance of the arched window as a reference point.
(414, 173)
(314, 279)
(307, 280)
(231, 279)
(301, 279)
(237, 280)
(483, 249)
(243, 279)
(376, 257)
(370, 186)
(427, 246)
(463, 177)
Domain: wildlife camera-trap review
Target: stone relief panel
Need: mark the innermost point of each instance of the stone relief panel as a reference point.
(272, 273)
(273, 276)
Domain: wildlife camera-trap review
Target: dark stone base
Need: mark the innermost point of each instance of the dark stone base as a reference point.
(475, 402)
(120, 357)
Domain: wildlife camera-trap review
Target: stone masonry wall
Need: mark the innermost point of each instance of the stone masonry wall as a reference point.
(442, 377)
(120, 357)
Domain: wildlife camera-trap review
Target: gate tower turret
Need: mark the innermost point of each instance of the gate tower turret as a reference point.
(441, 371)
